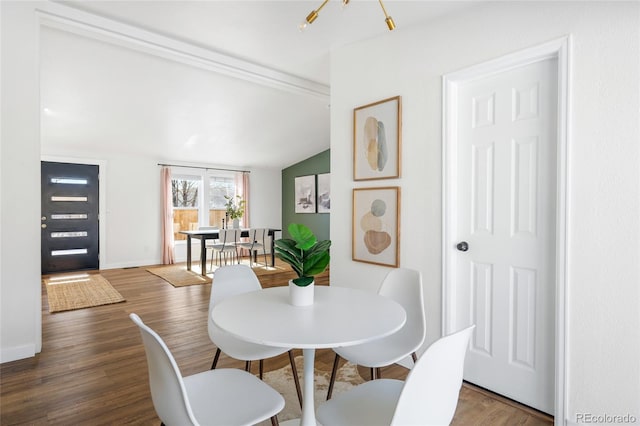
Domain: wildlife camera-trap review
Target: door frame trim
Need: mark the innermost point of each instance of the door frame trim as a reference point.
(559, 49)
(102, 197)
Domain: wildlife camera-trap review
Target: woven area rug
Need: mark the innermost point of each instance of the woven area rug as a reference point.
(79, 290)
(258, 267)
(178, 276)
(282, 381)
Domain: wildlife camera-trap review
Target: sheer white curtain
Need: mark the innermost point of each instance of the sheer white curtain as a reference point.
(242, 189)
(168, 255)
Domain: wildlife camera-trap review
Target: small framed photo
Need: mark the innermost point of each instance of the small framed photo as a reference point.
(377, 140)
(305, 194)
(376, 226)
(324, 193)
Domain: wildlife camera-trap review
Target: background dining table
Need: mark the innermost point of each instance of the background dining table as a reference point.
(212, 234)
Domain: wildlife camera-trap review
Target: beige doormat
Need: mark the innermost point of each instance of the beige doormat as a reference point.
(79, 290)
(178, 276)
(282, 381)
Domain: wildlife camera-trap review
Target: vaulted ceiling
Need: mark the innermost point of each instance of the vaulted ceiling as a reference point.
(266, 106)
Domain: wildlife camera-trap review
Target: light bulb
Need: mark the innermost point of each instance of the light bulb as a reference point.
(302, 26)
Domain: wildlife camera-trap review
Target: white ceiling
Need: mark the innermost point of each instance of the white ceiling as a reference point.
(99, 96)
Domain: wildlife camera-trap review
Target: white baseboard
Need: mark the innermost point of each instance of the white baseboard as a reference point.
(17, 352)
(133, 264)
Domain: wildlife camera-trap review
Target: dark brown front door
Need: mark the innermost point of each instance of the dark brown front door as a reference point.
(70, 237)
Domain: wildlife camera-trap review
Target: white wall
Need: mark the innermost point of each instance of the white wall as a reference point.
(266, 200)
(20, 317)
(604, 181)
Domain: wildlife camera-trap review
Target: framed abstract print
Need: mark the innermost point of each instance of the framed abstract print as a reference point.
(376, 225)
(377, 140)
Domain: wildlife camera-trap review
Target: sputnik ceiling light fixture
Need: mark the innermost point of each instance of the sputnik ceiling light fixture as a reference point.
(314, 14)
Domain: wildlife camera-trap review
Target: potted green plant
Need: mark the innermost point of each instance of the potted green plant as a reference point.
(235, 209)
(307, 256)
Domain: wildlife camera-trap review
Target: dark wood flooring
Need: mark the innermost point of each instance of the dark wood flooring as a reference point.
(92, 368)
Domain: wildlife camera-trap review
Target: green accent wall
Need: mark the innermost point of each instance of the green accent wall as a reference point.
(317, 222)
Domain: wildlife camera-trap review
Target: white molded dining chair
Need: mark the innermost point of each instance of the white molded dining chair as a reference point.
(219, 397)
(405, 287)
(229, 281)
(257, 241)
(429, 395)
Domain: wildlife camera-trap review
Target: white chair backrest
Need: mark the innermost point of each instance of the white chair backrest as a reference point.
(165, 380)
(431, 390)
(259, 235)
(229, 281)
(405, 287)
(228, 236)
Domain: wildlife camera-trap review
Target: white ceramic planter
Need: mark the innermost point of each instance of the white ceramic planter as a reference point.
(236, 223)
(301, 296)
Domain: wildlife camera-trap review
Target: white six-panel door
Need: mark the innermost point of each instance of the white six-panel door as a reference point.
(506, 186)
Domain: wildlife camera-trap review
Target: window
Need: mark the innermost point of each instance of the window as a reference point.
(196, 204)
(184, 190)
(220, 187)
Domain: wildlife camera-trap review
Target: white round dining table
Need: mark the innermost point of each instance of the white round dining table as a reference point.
(339, 316)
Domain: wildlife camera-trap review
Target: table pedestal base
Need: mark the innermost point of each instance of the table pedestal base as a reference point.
(308, 389)
(308, 403)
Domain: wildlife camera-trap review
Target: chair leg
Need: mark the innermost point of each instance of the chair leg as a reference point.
(264, 252)
(372, 373)
(274, 421)
(261, 368)
(247, 366)
(296, 379)
(334, 370)
(215, 359)
(415, 357)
